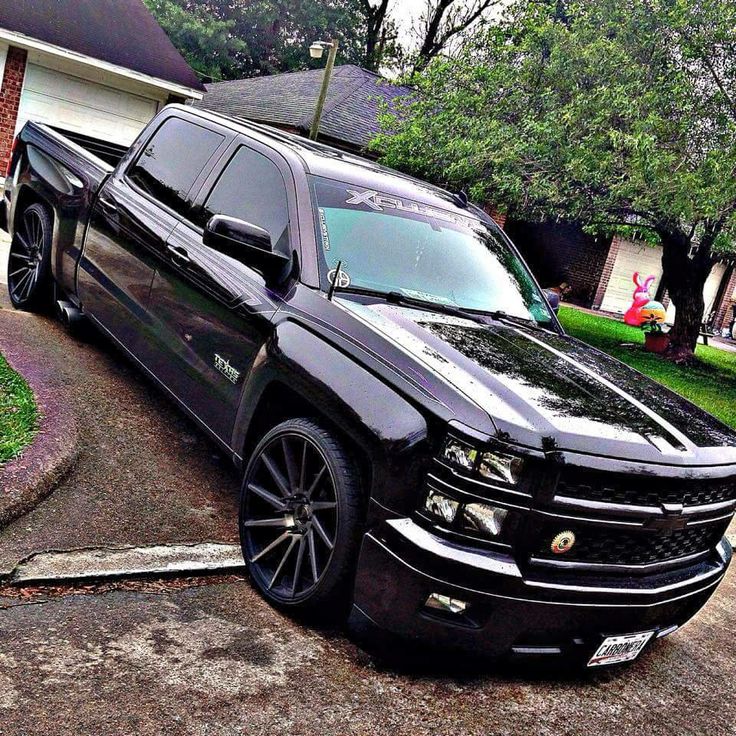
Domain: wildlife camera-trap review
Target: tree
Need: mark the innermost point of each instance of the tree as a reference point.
(612, 113)
(381, 36)
(232, 39)
(442, 22)
(209, 45)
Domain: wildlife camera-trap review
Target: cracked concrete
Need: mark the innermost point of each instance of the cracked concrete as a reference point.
(102, 564)
(216, 660)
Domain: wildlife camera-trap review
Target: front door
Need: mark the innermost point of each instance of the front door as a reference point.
(211, 313)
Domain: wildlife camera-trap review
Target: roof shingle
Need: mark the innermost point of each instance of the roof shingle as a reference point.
(350, 113)
(121, 32)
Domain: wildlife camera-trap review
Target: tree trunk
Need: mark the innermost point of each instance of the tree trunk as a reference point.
(685, 278)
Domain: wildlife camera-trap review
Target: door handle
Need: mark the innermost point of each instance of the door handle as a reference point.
(109, 207)
(178, 254)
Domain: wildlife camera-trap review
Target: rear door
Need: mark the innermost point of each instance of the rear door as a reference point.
(131, 220)
(213, 313)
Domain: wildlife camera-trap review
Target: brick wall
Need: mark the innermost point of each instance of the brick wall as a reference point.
(723, 309)
(606, 272)
(560, 253)
(12, 85)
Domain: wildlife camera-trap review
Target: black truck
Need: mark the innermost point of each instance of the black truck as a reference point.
(422, 446)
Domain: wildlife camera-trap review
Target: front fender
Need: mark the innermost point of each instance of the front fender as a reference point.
(388, 429)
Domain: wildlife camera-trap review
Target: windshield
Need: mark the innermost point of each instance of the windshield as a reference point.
(387, 244)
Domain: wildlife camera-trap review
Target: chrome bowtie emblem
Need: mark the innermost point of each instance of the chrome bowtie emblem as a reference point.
(226, 369)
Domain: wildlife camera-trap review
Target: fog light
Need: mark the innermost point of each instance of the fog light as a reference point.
(502, 467)
(483, 518)
(441, 506)
(459, 454)
(444, 603)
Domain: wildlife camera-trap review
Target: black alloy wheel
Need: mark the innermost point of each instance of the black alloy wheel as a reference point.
(29, 262)
(300, 518)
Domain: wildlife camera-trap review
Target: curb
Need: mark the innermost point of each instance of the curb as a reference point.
(27, 479)
(56, 567)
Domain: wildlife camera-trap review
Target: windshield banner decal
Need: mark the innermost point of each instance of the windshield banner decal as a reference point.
(380, 202)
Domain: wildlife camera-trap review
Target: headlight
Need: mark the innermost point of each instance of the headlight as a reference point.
(498, 466)
(478, 518)
(459, 454)
(491, 464)
(441, 506)
(483, 518)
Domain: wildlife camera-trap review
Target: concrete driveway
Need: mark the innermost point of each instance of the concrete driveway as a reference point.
(207, 656)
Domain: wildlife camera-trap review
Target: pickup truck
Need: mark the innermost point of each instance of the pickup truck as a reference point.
(423, 449)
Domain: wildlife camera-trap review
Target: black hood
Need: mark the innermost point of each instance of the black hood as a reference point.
(539, 387)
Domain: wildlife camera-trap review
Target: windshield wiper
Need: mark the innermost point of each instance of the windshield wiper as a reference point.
(398, 297)
(500, 316)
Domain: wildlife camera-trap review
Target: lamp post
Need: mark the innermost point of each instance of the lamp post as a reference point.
(315, 51)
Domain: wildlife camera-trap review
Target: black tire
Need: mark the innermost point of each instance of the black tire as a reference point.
(29, 262)
(301, 491)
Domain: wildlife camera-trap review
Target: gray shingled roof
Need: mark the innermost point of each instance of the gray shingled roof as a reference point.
(351, 110)
(121, 32)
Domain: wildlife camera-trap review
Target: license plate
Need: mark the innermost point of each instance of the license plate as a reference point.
(617, 649)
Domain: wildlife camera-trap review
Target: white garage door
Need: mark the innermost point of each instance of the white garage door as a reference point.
(710, 292)
(632, 257)
(83, 107)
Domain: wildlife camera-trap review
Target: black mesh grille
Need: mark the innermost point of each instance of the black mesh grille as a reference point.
(642, 491)
(601, 546)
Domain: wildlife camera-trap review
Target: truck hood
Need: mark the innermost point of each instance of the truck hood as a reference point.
(543, 389)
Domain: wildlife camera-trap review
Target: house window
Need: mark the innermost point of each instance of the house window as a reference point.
(172, 160)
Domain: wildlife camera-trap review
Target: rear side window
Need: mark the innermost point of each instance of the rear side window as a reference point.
(171, 161)
(251, 188)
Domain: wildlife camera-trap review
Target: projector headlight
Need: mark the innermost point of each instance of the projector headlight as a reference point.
(483, 518)
(499, 466)
(459, 454)
(491, 464)
(442, 506)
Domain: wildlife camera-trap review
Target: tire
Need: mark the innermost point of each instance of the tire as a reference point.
(29, 262)
(302, 493)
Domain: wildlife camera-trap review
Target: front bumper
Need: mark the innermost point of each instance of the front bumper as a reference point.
(511, 613)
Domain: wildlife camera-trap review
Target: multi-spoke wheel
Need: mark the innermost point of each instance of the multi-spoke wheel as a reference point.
(29, 260)
(300, 516)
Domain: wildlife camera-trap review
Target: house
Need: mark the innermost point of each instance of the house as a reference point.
(288, 101)
(599, 271)
(94, 68)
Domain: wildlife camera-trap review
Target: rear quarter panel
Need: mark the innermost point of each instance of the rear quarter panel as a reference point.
(49, 168)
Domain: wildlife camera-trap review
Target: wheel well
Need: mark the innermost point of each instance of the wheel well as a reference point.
(27, 197)
(279, 403)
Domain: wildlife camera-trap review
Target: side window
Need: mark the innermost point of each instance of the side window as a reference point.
(251, 188)
(171, 161)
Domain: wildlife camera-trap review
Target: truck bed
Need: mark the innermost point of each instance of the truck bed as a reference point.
(65, 174)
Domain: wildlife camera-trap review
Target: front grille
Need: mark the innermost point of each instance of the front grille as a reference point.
(604, 546)
(641, 490)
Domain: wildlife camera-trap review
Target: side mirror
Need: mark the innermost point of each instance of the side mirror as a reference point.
(248, 244)
(554, 299)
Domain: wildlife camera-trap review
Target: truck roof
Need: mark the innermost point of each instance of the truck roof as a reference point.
(323, 160)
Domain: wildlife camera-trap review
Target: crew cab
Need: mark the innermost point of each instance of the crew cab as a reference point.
(422, 446)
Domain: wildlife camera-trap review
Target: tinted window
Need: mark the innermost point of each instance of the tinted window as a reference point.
(172, 159)
(387, 243)
(251, 188)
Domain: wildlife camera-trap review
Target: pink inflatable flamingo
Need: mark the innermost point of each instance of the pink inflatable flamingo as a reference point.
(641, 298)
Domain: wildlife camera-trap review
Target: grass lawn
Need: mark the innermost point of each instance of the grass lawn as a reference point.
(711, 385)
(18, 413)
